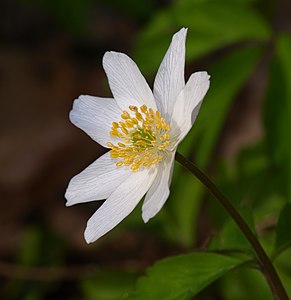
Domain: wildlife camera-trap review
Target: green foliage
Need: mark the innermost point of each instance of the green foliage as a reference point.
(204, 135)
(212, 24)
(278, 110)
(231, 237)
(283, 234)
(108, 285)
(229, 39)
(253, 183)
(242, 283)
(184, 205)
(40, 247)
(283, 265)
(182, 277)
(259, 181)
(227, 78)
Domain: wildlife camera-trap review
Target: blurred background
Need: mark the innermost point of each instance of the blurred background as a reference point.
(51, 52)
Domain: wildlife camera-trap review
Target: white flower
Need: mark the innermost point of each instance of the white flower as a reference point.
(142, 129)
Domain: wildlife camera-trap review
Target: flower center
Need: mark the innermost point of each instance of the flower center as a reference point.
(144, 135)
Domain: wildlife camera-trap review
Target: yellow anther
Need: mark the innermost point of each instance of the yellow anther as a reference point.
(134, 120)
(124, 130)
(144, 108)
(133, 108)
(128, 159)
(141, 143)
(129, 123)
(114, 133)
(125, 115)
(126, 141)
(167, 127)
(110, 145)
(114, 154)
(139, 116)
(115, 125)
(146, 163)
(137, 136)
(150, 122)
(163, 145)
(143, 138)
(137, 161)
(135, 167)
(122, 154)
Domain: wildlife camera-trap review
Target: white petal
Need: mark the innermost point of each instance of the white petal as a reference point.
(127, 84)
(159, 191)
(97, 181)
(188, 104)
(170, 80)
(95, 115)
(119, 205)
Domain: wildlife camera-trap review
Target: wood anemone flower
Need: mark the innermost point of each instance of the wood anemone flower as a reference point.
(142, 128)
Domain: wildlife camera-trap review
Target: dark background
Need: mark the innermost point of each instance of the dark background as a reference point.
(50, 53)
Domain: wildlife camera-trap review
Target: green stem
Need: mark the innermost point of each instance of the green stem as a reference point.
(267, 267)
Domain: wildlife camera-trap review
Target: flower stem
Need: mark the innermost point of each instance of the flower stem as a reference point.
(267, 267)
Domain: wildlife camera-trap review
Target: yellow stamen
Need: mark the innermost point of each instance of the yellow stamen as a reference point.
(144, 108)
(115, 125)
(110, 145)
(124, 130)
(144, 135)
(129, 123)
(125, 115)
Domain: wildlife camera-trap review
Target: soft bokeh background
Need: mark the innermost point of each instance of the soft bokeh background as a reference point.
(51, 52)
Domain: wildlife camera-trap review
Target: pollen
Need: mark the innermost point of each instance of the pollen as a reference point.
(144, 138)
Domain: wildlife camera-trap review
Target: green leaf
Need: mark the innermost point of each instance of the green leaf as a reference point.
(283, 234)
(253, 183)
(182, 277)
(231, 236)
(245, 284)
(283, 265)
(185, 204)
(212, 25)
(108, 285)
(278, 110)
(186, 190)
(227, 78)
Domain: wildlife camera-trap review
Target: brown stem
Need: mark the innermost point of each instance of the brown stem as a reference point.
(267, 267)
